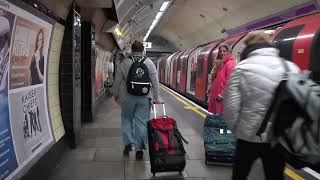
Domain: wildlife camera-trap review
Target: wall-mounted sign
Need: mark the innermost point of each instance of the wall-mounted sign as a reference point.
(147, 45)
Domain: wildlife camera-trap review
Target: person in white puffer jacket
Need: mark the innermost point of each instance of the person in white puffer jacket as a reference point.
(247, 98)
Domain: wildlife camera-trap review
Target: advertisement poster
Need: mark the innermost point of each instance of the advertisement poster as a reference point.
(99, 71)
(103, 69)
(30, 122)
(8, 161)
(25, 128)
(108, 69)
(29, 53)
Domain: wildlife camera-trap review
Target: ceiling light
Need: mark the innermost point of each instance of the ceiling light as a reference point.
(155, 21)
(269, 31)
(151, 27)
(118, 32)
(159, 15)
(164, 6)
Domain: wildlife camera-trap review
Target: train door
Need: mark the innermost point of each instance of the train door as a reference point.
(238, 48)
(175, 70)
(314, 65)
(211, 58)
(201, 81)
(163, 69)
(172, 69)
(168, 69)
(182, 72)
(179, 68)
(285, 39)
(159, 67)
(191, 71)
(298, 41)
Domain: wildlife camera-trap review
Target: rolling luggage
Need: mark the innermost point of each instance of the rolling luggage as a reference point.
(219, 142)
(165, 144)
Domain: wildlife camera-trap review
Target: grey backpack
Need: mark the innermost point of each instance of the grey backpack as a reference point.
(295, 112)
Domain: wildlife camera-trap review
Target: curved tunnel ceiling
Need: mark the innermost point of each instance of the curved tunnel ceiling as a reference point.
(186, 24)
(189, 23)
(136, 16)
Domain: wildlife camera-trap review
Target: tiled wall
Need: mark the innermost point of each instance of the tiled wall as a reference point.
(53, 81)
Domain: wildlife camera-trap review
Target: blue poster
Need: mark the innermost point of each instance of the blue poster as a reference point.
(8, 160)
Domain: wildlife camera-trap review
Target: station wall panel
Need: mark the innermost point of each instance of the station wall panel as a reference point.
(53, 83)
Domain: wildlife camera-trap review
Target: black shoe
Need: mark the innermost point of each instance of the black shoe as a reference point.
(126, 150)
(139, 155)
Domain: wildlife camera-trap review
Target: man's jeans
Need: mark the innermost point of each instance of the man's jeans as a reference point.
(135, 113)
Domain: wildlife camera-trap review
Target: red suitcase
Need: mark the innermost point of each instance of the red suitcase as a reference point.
(165, 144)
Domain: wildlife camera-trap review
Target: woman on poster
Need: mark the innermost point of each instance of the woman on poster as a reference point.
(37, 61)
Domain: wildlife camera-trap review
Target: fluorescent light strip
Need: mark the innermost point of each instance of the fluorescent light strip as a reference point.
(157, 18)
(164, 6)
(158, 15)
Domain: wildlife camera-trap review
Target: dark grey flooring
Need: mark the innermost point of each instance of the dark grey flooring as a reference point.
(99, 156)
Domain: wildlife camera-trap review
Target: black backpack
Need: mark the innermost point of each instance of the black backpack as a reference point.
(138, 79)
(295, 112)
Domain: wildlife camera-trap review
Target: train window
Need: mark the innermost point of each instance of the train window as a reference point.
(200, 67)
(230, 43)
(285, 39)
(179, 63)
(314, 65)
(185, 62)
(237, 49)
(200, 61)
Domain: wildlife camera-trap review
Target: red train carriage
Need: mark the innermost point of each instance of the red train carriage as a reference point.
(167, 68)
(203, 70)
(191, 72)
(182, 71)
(299, 41)
(174, 63)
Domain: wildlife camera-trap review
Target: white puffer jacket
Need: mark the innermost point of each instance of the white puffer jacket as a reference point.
(249, 93)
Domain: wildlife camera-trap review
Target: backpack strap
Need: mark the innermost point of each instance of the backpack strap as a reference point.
(144, 58)
(140, 60)
(266, 119)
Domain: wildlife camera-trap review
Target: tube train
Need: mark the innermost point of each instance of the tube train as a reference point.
(187, 71)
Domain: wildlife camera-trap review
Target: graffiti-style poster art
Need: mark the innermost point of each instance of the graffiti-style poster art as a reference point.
(30, 127)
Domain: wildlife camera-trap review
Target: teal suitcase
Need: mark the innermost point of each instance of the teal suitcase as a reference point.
(219, 142)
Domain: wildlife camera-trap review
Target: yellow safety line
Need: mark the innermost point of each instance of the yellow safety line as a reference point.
(185, 103)
(292, 174)
(195, 107)
(287, 171)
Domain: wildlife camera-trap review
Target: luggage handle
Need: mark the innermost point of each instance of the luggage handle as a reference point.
(155, 110)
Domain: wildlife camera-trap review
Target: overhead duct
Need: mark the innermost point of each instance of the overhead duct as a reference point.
(109, 26)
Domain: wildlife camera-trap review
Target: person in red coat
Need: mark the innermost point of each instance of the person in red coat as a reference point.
(219, 83)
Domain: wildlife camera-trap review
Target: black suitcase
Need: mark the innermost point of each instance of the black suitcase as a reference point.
(165, 144)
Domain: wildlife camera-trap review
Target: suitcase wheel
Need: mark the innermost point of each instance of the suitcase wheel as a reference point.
(153, 173)
(206, 161)
(180, 173)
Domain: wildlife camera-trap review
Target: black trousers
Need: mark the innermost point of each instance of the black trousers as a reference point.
(248, 152)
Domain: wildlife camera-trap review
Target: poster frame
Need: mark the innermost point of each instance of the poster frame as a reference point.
(21, 170)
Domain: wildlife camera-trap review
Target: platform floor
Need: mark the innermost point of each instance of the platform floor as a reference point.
(99, 155)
